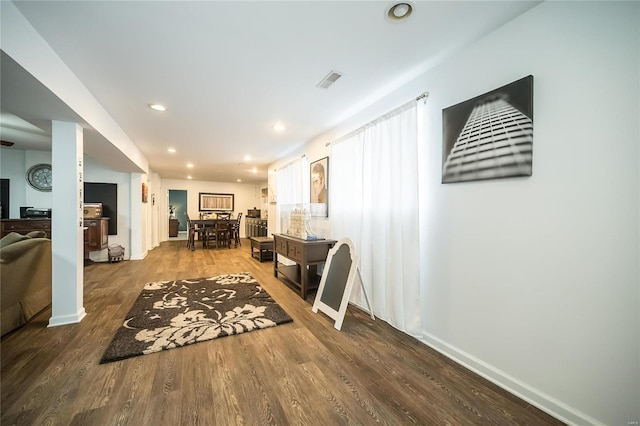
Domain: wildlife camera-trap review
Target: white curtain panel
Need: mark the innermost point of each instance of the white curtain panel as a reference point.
(293, 185)
(376, 206)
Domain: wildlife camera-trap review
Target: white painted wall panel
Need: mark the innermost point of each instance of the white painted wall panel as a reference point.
(12, 168)
(98, 173)
(534, 282)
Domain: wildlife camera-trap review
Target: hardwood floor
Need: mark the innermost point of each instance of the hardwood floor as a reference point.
(304, 372)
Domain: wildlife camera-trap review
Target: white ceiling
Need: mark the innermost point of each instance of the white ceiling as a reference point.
(227, 71)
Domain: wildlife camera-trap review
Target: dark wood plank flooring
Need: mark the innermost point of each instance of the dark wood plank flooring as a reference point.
(302, 373)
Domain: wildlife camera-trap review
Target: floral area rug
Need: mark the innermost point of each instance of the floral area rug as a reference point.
(170, 314)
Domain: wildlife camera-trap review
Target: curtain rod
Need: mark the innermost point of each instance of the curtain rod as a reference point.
(290, 162)
(422, 95)
(395, 111)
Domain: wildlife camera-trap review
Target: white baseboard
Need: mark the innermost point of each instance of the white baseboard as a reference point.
(67, 319)
(140, 257)
(533, 396)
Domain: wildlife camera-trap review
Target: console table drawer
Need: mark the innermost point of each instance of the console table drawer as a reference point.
(27, 226)
(294, 251)
(307, 255)
(24, 226)
(281, 247)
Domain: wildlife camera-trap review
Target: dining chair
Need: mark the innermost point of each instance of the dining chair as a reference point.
(190, 233)
(209, 235)
(235, 230)
(223, 215)
(223, 233)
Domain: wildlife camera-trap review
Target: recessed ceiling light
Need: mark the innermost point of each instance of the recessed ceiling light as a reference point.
(189, 165)
(278, 127)
(188, 177)
(239, 180)
(399, 11)
(254, 170)
(247, 158)
(171, 150)
(158, 107)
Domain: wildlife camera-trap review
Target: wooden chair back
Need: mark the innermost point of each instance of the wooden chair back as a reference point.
(236, 230)
(223, 233)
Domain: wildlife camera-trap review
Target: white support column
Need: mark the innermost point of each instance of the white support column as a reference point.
(67, 227)
(138, 222)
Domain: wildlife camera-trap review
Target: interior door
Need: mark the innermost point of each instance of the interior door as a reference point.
(4, 198)
(178, 200)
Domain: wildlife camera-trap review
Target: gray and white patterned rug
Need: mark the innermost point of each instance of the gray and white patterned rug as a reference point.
(171, 314)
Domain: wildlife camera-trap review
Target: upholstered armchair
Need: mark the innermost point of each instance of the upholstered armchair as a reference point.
(25, 279)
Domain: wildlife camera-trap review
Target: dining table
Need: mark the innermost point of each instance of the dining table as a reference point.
(198, 226)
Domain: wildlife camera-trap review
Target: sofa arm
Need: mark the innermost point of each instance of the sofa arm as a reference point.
(25, 281)
(12, 252)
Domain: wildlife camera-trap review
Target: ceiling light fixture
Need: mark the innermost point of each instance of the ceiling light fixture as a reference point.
(171, 150)
(189, 165)
(278, 127)
(158, 107)
(254, 170)
(247, 158)
(189, 177)
(399, 11)
(239, 180)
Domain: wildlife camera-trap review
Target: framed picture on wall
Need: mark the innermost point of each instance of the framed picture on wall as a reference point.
(271, 189)
(319, 178)
(210, 202)
(489, 136)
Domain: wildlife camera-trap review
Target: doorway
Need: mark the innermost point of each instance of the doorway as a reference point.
(178, 201)
(4, 198)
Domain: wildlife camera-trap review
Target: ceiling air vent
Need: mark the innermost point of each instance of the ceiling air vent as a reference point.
(329, 79)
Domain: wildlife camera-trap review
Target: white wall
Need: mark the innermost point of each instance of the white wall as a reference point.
(13, 166)
(33, 197)
(97, 173)
(155, 187)
(534, 282)
(16, 162)
(246, 196)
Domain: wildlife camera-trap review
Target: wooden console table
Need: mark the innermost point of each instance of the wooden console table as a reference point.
(307, 254)
(24, 226)
(96, 235)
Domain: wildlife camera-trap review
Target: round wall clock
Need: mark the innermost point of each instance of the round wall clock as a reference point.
(39, 177)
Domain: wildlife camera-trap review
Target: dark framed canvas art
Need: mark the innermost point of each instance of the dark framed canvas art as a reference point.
(319, 190)
(210, 202)
(489, 136)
